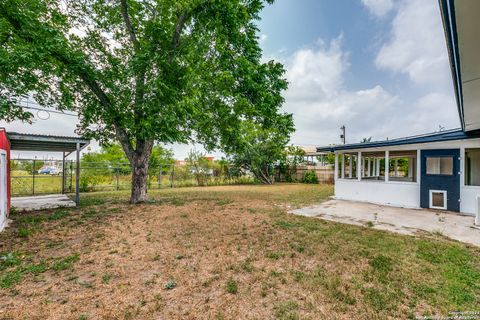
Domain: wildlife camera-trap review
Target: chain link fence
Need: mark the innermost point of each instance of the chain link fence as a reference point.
(31, 177)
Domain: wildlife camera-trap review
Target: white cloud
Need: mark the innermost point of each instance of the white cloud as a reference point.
(378, 8)
(321, 102)
(417, 45)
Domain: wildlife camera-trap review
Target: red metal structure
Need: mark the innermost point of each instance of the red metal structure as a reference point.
(4, 177)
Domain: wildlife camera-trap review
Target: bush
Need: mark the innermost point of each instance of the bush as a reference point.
(310, 177)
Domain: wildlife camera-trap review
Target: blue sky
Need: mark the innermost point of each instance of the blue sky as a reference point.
(380, 67)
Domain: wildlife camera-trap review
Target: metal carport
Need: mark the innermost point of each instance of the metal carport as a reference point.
(66, 145)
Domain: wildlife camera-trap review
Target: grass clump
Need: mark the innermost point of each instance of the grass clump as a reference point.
(287, 310)
(231, 286)
(171, 284)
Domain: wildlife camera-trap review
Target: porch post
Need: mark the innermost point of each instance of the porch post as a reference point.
(387, 166)
(343, 166)
(359, 166)
(77, 177)
(63, 173)
(350, 166)
(369, 170)
(377, 167)
(336, 166)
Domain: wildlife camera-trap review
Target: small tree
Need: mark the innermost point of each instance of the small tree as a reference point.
(258, 150)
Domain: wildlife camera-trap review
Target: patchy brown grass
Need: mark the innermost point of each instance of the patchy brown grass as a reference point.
(224, 253)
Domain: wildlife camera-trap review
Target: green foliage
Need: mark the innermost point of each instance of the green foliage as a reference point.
(199, 166)
(29, 166)
(144, 71)
(310, 177)
(171, 284)
(292, 157)
(231, 286)
(258, 150)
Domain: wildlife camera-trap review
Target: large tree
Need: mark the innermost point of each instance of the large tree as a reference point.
(140, 71)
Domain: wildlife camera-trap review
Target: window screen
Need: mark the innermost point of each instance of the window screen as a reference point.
(440, 165)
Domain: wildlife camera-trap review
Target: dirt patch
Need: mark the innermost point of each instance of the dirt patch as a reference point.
(217, 254)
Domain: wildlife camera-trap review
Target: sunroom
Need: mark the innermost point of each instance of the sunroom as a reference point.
(437, 171)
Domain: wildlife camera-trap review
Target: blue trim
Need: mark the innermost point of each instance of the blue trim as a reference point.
(456, 134)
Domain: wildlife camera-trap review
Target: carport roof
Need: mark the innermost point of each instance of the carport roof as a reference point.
(38, 142)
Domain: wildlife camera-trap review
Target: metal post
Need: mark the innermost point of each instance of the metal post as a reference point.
(117, 178)
(63, 173)
(33, 178)
(71, 175)
(77, 177)
(160, 178)
(172, 184)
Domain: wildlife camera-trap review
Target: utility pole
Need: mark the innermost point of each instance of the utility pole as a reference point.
(342, 135)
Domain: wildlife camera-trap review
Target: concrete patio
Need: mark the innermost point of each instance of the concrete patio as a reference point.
(42, 202)
(399, 220)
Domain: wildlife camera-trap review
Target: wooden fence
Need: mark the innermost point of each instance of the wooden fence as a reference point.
(325, 174)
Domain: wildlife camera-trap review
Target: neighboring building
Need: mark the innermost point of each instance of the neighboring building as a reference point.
(438, 170)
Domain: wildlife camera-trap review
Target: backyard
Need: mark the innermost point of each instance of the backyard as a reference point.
(224, 252)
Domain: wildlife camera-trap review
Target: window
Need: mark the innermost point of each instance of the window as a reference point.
(403, 166)
(472, 167)
(373, 166)
(440, 165)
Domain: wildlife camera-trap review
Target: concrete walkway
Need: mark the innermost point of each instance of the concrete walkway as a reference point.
(42, 202)
(400, 220)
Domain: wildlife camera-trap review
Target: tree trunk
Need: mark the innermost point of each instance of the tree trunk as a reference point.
(139, 162)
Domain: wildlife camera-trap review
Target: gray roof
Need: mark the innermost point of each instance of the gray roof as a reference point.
(449, 135)
(39, 142)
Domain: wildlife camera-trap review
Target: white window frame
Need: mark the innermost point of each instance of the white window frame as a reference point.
(430, 200)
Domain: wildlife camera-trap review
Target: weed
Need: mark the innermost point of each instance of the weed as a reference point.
(106, 278)
(66, 262)
(59, 214)
(224, 202)
(170, 284)
(370, 224)
(275, 255)
(23, 233)
(231, 286)
(382, 263)
(287, 310)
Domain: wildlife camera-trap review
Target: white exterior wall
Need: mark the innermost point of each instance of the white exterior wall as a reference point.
(398, 194)
(406, 194)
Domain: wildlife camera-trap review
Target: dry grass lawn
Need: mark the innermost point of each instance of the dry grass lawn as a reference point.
(228, 252)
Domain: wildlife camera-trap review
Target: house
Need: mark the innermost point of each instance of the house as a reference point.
(439, 170)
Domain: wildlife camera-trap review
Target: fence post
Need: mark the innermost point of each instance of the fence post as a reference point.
(117, 177)
(33, 178)
(63, 173)
(172, 183)
(71, 176)
(160, 178)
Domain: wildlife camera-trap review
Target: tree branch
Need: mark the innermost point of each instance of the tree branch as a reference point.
(128, 24)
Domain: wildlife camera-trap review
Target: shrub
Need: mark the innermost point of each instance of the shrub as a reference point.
(310, 177)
